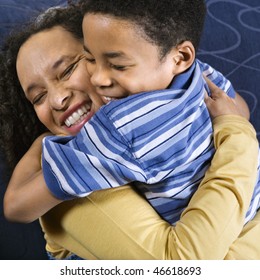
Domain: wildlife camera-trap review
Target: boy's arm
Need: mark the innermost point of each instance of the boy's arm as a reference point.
(27, 196)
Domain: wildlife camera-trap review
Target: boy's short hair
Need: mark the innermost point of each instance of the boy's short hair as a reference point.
(165, 23)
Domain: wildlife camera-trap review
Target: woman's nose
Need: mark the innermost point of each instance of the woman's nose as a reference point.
(59, 98)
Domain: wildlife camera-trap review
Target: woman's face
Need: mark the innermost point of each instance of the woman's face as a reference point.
(52, 70)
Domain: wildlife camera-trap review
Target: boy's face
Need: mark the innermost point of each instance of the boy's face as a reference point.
(120, 61)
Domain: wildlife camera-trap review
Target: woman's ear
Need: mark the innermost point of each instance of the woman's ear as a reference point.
(183, 57)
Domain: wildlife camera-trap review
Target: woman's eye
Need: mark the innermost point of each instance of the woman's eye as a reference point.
(67, 73)
(39, 99)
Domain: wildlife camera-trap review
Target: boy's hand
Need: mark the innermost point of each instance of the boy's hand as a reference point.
(219, 103)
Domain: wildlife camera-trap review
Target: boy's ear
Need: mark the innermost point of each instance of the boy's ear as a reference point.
(183, 57)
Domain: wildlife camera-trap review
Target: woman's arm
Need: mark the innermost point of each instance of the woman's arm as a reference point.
(242, 105)
(229, 184)
(27, 196)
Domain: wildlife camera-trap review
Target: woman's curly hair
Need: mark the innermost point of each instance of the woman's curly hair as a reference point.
(19, 125)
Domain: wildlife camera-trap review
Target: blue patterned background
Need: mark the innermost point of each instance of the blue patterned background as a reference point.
(231, 43)
(14, 12)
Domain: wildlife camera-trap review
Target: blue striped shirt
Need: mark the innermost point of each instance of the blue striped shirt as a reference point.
(161, 141)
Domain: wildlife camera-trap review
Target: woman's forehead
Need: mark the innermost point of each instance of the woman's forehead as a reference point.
(49, 44)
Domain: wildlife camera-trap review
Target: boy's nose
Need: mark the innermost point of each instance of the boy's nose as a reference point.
(101, 78)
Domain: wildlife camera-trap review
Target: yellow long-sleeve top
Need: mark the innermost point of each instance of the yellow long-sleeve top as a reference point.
(120, 224)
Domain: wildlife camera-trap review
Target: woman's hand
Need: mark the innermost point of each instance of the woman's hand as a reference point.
(219, 103)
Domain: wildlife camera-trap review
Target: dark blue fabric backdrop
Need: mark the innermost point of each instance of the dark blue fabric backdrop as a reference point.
(230, 43)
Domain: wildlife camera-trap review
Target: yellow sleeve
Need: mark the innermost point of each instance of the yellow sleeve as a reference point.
(120, 224)
(215, 215)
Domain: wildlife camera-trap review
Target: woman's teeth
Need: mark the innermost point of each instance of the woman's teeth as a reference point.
(107, 98)
(77, 116)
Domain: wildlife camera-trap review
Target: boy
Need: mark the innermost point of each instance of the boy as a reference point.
(161, 138)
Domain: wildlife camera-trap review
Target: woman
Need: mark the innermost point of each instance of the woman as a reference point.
(59, 68)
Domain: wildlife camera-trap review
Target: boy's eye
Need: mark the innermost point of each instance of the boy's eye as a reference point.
(90, 60)
(88, 56)
(118, 67)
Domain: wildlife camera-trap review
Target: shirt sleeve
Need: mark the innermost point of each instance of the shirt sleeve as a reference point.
(97, 158)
